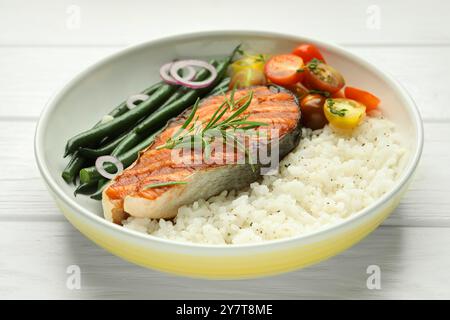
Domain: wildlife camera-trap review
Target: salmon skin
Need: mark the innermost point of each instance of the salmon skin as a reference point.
(129, 192)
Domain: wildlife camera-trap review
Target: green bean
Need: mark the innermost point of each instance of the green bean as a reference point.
(177, 95)
(91, 174)
(121, 122)
(73, 167)
(104, 150)
(222, 86)
(97, 195)
(123, 108)
(101, 182)
(85, 188)
(130, 141)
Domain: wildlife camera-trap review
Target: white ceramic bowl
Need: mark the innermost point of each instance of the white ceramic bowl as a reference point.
(96, 90)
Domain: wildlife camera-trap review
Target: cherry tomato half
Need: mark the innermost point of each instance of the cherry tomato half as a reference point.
(344, 114)
(308, 52)
(321, 76)
(313, 115)
(284, 69)
(369, 100)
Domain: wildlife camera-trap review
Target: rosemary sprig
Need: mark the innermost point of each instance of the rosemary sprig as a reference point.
(192, 134)
(164, 184)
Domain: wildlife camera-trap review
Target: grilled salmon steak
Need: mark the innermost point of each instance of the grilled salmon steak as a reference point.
(129, 192)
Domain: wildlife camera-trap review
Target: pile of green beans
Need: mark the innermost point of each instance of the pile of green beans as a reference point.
(132, 130)
(77, 161)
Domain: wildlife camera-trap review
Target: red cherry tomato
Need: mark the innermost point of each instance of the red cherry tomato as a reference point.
(284, 69)
(321, 76)
(366, 98)
(308, 52)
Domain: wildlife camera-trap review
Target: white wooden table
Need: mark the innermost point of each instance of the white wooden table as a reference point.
(44, 43)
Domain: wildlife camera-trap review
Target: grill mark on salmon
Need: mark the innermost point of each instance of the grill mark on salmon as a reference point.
(127, 194)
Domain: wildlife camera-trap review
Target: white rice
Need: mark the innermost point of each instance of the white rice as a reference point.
(326, 179)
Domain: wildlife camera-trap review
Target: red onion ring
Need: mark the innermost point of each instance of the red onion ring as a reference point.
(116, 162)
(176, 66)
(137, 97)
(164, 72)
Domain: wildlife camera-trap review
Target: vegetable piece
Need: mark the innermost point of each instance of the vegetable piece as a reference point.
(74, 166)
(221, 87)
(313, 115)
(123, 108)
(197, 84)
(284, 69)
(344, 114)
(308, 52)
(121, 122)
(106, 149)
(97, 195)
(177, 95)
(100, 161)
(164, 72)
(320, 76)
(247, 78)
(86, 188)
(369, 100)
(127, 143)
(90, 174)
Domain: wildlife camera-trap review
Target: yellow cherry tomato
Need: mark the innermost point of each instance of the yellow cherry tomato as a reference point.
(344, 114)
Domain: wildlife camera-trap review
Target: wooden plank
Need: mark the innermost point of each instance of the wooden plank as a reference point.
(413, 264)
(24, 195)
(90, 23)
(25, 90)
